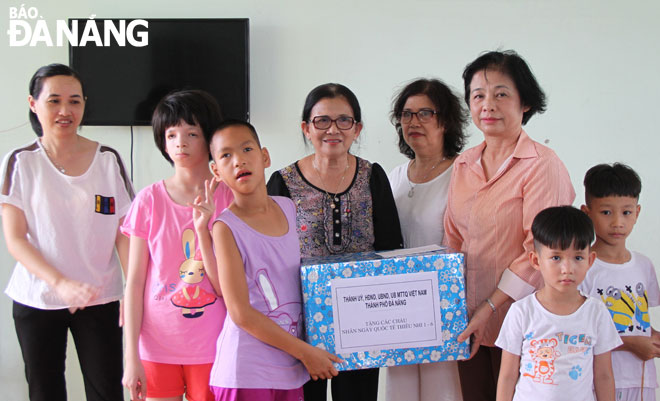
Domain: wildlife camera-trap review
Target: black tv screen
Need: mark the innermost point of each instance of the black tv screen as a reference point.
(124, 83)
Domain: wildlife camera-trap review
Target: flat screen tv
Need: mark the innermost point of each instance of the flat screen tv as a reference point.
(124, 83)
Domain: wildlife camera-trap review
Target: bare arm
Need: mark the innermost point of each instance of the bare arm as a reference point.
(235, 291)
(603, 377)
(72, 292)
(509, 372)
(121, 244)
(134, 379)
(203, 208)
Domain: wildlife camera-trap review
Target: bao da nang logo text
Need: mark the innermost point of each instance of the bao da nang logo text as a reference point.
(27, 28)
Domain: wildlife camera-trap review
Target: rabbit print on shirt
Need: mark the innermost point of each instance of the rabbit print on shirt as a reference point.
(192, 298)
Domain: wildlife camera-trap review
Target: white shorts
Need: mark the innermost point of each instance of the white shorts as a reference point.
(634, 394)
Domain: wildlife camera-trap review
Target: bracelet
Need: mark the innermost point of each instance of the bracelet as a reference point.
(491, 304)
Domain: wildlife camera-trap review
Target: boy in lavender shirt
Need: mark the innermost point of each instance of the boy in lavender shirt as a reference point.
(259, 355)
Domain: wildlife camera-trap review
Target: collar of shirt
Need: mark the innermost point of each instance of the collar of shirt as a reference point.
(524, 149)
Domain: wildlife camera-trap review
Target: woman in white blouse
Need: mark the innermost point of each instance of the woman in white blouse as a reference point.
(63, 199)
(429, 121)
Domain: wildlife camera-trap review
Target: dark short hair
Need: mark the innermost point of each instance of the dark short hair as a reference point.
(611, 180)
(450, 114)
(37, 84)
(195, 107)
(510, 63)
(238, 123)
(330, 91)
(560, 227)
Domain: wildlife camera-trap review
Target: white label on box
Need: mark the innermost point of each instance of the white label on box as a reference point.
(386, 312)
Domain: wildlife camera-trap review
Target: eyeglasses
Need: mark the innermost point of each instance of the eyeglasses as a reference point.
(342, 122)
(423, 115)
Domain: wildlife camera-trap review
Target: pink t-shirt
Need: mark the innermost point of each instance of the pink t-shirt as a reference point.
(182, 314)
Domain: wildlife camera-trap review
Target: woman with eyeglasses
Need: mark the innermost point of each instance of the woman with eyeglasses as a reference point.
(344, 205)
(496, 190)
(429, 121)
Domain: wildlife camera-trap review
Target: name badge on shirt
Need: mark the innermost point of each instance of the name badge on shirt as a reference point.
(105, 204)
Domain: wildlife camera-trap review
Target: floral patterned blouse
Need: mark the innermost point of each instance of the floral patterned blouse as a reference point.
(362, 218)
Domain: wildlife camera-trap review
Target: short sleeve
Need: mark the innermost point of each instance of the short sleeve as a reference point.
(652, 290)
(608, 338)
(276, 186)
(137, 221)
(10, 182)
(387, 228)
(510, 338)
(125, 191)
(587, 285)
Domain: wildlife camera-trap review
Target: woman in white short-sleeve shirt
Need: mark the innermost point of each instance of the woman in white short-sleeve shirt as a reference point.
(63, 197)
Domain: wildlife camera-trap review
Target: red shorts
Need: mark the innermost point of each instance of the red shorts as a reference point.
(167, 380)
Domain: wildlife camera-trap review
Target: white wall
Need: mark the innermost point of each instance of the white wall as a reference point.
(598, 61)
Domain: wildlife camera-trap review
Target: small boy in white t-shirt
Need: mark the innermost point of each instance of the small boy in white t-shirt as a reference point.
(556, 342)
(624, 280)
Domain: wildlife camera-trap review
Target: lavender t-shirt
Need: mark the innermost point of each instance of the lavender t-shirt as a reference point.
(272, 272)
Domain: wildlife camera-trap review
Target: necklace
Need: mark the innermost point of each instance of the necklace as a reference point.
(318, 174)
(411, 192)
(52, 159)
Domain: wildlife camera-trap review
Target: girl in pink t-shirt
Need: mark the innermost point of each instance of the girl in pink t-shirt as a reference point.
(174, 309)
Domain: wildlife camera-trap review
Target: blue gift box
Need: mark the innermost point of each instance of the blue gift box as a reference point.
(369, 290)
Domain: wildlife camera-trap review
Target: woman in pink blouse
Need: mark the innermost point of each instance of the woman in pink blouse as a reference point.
(496, 190)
